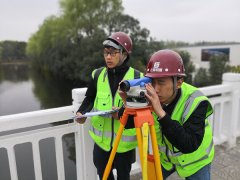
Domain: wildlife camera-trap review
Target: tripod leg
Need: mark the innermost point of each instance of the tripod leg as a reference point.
(140, 145)
(142, 137)
(145, 150)
(158, 169)
(113, 152)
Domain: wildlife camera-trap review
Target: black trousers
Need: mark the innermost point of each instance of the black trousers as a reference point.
(122, 163)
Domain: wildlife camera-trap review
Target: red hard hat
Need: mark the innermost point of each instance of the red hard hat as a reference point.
(123, 39)
(165, 63)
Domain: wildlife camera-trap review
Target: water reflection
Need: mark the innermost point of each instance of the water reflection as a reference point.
(17, 97)
(19, 83)
(23, 89)
(51, 92)
(14, 72)
(16, 94)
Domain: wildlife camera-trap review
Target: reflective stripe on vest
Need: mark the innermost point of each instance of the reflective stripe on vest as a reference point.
(189, 103)
(164, 149)
(208, 150)
(109, 135)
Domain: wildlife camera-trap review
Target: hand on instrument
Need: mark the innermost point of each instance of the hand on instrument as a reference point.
(154, 99)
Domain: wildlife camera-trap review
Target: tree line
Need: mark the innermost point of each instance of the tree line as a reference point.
(12, 51)
(69, 46)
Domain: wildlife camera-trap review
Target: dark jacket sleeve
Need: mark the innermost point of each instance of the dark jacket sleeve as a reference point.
(187, 137)
(88, 101)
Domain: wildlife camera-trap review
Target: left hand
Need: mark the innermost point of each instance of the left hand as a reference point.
(80, 120)
(154, 99)
(115, 115)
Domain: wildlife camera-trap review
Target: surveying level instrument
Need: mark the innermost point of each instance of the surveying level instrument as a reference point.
(137, 106)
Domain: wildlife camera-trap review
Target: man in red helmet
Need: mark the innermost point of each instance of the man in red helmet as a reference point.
(102, 95)
(180, 110)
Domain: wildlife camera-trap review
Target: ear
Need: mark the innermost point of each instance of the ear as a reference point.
(179, 83)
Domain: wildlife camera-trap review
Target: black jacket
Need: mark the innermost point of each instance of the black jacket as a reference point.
(187, 137)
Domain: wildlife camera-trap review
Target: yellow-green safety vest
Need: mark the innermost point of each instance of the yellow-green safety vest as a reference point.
(103, 130)
(186, 164)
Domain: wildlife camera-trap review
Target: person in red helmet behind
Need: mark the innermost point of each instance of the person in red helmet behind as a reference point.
(180, 111)
(102, 95)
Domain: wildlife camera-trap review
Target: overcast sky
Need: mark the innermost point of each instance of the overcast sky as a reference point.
(179, 20)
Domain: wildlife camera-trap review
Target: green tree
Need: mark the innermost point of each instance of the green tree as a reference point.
(84, 17)
(235, 69)
(218, 65)
(188, 64)
(70, 46)
(202, 78)
(13, 51)
(154, 46)
(139, 37)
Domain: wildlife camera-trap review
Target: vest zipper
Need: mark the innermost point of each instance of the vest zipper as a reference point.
(166, 151)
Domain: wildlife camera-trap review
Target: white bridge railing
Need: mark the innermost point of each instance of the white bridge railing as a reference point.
(32, 127)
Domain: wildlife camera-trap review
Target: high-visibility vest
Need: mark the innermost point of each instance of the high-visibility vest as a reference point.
(103, 130)
(186, 164)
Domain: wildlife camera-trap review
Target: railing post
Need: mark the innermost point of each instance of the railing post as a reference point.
(83, 142)
(234, 116)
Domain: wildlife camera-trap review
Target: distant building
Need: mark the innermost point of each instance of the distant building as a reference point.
(200, 54)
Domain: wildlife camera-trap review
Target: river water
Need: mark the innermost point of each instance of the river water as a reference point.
(23, 90)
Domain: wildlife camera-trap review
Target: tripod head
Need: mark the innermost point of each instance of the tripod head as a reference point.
(135, 90)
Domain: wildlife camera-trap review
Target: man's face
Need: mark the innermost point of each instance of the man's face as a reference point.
(112, 57)
(164, 88)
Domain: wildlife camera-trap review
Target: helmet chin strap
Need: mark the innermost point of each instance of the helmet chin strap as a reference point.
(174, 87)
(174, 90)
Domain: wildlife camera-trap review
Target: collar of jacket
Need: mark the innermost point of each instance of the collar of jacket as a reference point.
(119, 69)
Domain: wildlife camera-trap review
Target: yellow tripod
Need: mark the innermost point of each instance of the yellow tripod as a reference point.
(142, 120)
